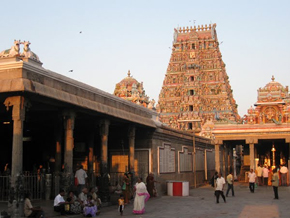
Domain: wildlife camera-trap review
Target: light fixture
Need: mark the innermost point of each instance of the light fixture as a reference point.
(273, 148)
(6, 122)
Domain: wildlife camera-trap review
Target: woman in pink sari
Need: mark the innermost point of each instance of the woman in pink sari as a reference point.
(141, 197)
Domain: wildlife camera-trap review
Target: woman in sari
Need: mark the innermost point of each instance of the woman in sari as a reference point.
(141, 197)
(75, 204)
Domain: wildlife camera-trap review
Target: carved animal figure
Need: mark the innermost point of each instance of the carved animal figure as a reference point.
(13, 51)
(27, 53)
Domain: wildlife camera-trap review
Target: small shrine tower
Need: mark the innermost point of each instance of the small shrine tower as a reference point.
(196, 87)
(272, 106)
(130, 89)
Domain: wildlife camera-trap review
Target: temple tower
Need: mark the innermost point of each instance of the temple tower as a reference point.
(196, 87)
(131, 90)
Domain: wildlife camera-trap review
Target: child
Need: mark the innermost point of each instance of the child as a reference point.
(121, 202)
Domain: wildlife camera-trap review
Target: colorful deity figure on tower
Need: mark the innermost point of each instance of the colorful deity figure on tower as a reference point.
(196, 87)
(130, 89)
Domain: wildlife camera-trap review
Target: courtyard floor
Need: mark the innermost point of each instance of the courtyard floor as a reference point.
(201, 203)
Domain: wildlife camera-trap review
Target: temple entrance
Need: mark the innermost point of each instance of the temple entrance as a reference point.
(272, 152)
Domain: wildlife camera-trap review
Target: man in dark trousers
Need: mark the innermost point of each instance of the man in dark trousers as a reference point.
(230, 182)
(275, 183)
(219, 190)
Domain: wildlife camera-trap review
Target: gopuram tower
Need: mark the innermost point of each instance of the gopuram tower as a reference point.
(196, 88)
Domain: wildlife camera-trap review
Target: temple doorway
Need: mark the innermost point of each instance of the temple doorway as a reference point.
(272, 152)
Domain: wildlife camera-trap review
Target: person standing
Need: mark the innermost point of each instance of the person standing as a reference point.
(275, 183)
(213, 179)
(121, 203)
(81, 177)
(230, 182)
(260, 174)
(284, 171)
(141, 197)
(252, 180)
(150, 183)
(265, 175)
(219, 190)
(126, 188)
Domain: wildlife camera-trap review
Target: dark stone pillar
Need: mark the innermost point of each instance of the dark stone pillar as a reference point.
(131, 136)
(104, 180)
(58, 152)
(69, 122)
(91, 174)
(19, 104)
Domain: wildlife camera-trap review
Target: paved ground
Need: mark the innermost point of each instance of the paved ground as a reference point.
(201, 203)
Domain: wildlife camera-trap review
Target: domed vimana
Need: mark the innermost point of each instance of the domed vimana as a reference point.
(272, 106)
(196, 87)
(130, 89)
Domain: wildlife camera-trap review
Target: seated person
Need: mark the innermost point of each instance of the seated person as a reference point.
(75, 204)
(29, 210)
(95, 197)
(90, 209)
(59, 202)
(83, 196)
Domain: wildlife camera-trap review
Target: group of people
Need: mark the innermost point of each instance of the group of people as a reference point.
(140, 192)
(87, 203)
(219, 182)
(141, 197)
(264, 175)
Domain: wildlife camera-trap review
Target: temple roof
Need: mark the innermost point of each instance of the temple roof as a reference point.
(128, 81)
(273, 85)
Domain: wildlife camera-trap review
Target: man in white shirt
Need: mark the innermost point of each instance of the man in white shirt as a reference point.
(81, 176)
(59, 202)
(252, 180)
(284, 171)
(260, 174)
(265, 175)
(220, 183)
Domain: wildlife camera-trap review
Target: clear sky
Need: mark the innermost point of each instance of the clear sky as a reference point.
(135, 35)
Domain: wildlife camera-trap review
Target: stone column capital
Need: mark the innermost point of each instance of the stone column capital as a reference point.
(104, 127)
(218, 141)
(251, 141)
(19, 104)
(69, 118)
(131, 131)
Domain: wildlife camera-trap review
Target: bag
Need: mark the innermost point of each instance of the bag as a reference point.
(66, 207)
(76, 181)
(124, 186)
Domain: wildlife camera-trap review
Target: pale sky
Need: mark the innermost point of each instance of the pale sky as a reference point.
(135, 35)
